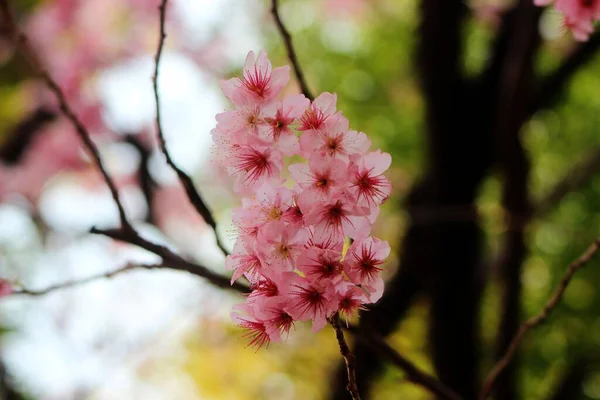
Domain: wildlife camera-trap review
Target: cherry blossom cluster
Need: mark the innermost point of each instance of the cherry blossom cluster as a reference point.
(579, 15)
(304, 242)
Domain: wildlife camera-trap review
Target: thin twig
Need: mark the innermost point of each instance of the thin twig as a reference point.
(413, 373)
(190, 190)
(172, 260)
(70, 284)
(23, 43)
(287, 39)
(539, 318)
(348, 357)
(575, 179)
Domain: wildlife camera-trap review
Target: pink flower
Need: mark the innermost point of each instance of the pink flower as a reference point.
(319, 113)
(368, 182)
(277, 124)
(256, 330)
(363, 262)
(338, 216)
(273, 202)
(282, 244)
(336, 142)
(313, 301)
(275, 313)
(364, 258)
(580, 28)
(244, 259)
(321, 176)
(293, 215)
(259, 83)
(320, 264)
(235, 125)
(579, 15)
(253, 165)
(350, 299)
(6, 288)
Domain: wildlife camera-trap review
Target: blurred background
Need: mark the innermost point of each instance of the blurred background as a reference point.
(488, 107)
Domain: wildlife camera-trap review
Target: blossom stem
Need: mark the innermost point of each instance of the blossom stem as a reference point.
(348, 356)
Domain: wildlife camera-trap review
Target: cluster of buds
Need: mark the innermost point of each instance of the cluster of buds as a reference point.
(304, 243)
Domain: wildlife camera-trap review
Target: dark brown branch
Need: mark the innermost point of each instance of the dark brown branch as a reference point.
(190, 190)
(147, 183)
(538, 319)
(287, 39)
(348, 357)
(65, 108)
(70, 284)
(22, 135)
(552, 85)
(413, 373)
(172, 260)
(575, 179)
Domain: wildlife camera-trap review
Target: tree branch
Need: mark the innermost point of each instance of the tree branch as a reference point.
(555, 82)
(22, 135)
(172, 260)
(413, 373)
(24, 46)
(147, 183)
(192, 194)
(66, 285)
(348, 357)
(575, 179)
(538, 319)
(287, 39)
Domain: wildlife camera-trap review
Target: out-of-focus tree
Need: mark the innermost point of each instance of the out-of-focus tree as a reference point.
(488, 108)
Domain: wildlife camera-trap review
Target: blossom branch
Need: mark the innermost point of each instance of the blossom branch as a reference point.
(190, 190)
(538, 319)
(170, 259)
(348, 357)
(413, 373)
(70, 284)
(23, 44)
(287, 39)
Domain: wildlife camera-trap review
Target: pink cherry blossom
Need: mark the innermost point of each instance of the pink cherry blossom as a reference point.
(365, 257)
(244, 259)
(256, 330)
(320, 264)
(5, 288)
(253, 165)
(276, 128)
(579, 15)
(321, 176)
(260, 84)
(368, 182)
(338, 216)
(282, 244)
(336, 142)
(351, 298)
(319, 113)
(313, 301)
